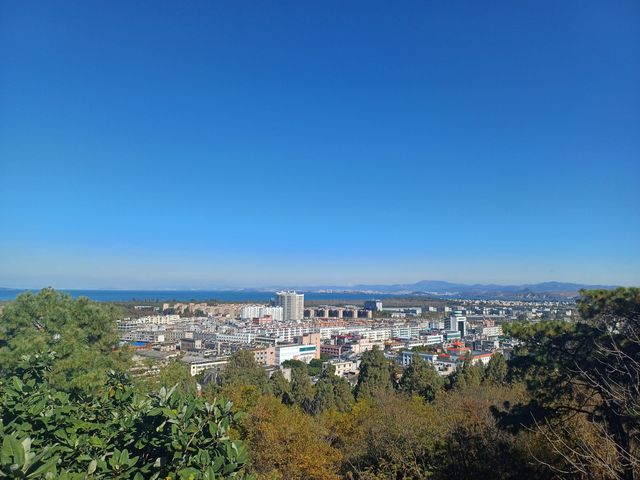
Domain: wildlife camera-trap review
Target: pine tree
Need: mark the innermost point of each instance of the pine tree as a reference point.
(279, 385)
(324, 398)
(496, 370)
(421, 378)
(301, 390)
(375, 374)
(467, 374)
(342, 394)
(242, 369)
(82, 333)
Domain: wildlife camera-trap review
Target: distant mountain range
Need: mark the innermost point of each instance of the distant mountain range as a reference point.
(544, 290)
(433, 288)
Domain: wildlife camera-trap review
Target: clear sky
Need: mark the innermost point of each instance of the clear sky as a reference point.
(148, 144)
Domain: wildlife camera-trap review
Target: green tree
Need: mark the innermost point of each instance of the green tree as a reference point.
(82, 333)
(315, 367)
(279, 385)
(590, 369)
(467, 375)
(242, 369)
(324, 398)
(342, 394)
(496, 370)
(174, 373)
(472, 445)
(332, 392)
(421, 378)
(375, 374)
(425, 349)
(302, 391)
(294, 364)
(119, 433)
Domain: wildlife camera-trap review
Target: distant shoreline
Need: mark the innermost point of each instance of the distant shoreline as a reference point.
(264, 296)
(155, 296)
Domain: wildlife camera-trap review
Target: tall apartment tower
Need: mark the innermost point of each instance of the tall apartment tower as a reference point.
(292, 304)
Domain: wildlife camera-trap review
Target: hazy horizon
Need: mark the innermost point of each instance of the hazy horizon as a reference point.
(266, 286)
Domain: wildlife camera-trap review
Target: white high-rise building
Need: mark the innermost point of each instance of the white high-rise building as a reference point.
(249, 312)
(292, 304)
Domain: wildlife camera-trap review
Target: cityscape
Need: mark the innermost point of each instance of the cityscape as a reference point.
(364, 240)
(443, 333)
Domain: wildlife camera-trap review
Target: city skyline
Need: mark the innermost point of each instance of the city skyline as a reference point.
(149, 145)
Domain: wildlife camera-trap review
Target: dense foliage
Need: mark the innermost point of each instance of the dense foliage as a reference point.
(588, 372)
(118, 434)
(68, 408)
(82, 333)
(564, 406)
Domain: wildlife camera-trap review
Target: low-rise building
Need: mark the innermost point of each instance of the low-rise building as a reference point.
(304, 353)
(406, 357)
(306, 348)
(334, 350)
(190, 344)
(199, 364)
(432, 338)
(344, 368)
(265, 356)
(492, 331)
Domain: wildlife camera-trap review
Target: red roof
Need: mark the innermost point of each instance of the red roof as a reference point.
(482, 355)
(458, 350)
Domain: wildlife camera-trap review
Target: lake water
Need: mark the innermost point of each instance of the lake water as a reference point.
(196, 295)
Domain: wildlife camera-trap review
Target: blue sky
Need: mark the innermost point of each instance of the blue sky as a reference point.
(198, 144)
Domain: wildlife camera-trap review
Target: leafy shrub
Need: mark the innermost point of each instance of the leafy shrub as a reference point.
(47, 433)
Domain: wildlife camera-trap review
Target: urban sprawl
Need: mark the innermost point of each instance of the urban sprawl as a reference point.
(445, 334)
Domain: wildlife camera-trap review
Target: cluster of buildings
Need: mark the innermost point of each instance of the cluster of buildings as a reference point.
(444, 335)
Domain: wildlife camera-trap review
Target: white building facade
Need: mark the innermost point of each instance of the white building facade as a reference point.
(292, 304)
(258, 311)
